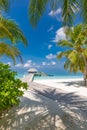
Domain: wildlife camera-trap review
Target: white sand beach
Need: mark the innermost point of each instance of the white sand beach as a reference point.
(59, 104)
(69, 85)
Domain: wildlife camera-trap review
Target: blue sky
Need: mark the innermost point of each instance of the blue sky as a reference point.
(42, 49)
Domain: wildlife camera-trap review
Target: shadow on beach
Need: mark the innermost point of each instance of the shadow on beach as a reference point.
(47, 110)
(75, 83)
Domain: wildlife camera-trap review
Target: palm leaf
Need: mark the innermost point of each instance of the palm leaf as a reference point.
(4, 5)
(73, 56)
(64, 54)
(84, 10)
(66, 64)
(10, 30)
(36, 10)
(65, 43)
(69, 9)
(10, 51)
(54, 4)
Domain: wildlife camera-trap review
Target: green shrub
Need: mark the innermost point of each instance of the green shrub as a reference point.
(10, 87)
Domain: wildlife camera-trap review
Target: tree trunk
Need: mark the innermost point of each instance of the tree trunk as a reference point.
(85, 73)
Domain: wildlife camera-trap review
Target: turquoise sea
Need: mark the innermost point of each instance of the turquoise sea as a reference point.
(57, 77)
(52, 77)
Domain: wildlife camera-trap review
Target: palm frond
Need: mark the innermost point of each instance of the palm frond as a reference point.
(72, 67)
(54, 4)
(73, 56)
(10, 30)
(64, 54)
(69, 9)
(76, 56)
(10, 51)
(73, 33)
(66, 64)
(4, 5)
(84, 10)
(65, 43)
(36, 10)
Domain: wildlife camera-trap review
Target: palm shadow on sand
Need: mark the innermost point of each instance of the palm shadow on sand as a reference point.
(74, 83)
(49, 110)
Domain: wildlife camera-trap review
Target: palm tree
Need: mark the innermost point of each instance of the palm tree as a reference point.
(9, 31)
(9, 51)
(4, 5)
(69, 9)
(10, 34)
(75, 51)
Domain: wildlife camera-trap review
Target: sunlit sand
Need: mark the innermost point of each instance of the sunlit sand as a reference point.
(68, 85)
(59, 104)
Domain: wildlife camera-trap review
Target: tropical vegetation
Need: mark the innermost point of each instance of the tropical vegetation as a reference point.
(75, 52)
(76, 49)
(69, 8)
(11, 89)
(10, 34)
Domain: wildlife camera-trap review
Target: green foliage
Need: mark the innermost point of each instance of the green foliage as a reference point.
(36, 9)
(11, 89)
(75, 48)
(4, 5)
(10, 51)
(68, 11)
(11, 31)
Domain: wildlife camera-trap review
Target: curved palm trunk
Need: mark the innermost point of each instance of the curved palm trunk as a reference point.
(85, 70)
(85, 74)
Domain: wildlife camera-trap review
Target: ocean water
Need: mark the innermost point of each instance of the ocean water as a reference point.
(20, 75)
(57, 77)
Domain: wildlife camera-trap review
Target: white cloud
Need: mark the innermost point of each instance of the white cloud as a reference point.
(44, 63)
(29, 61)
(27, 65)
(51, 56)
(60, 35)
(51, 13)
(48, 63)
(19, 65)
(51, 28)
(50, 46)
(55, 13)
(53, 63)
(9, 63)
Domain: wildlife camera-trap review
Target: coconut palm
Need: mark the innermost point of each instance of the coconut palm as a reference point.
(9, 51)
(69, 9)
(4, 5)
(75, 51)
(10, 34)
(9, 31)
